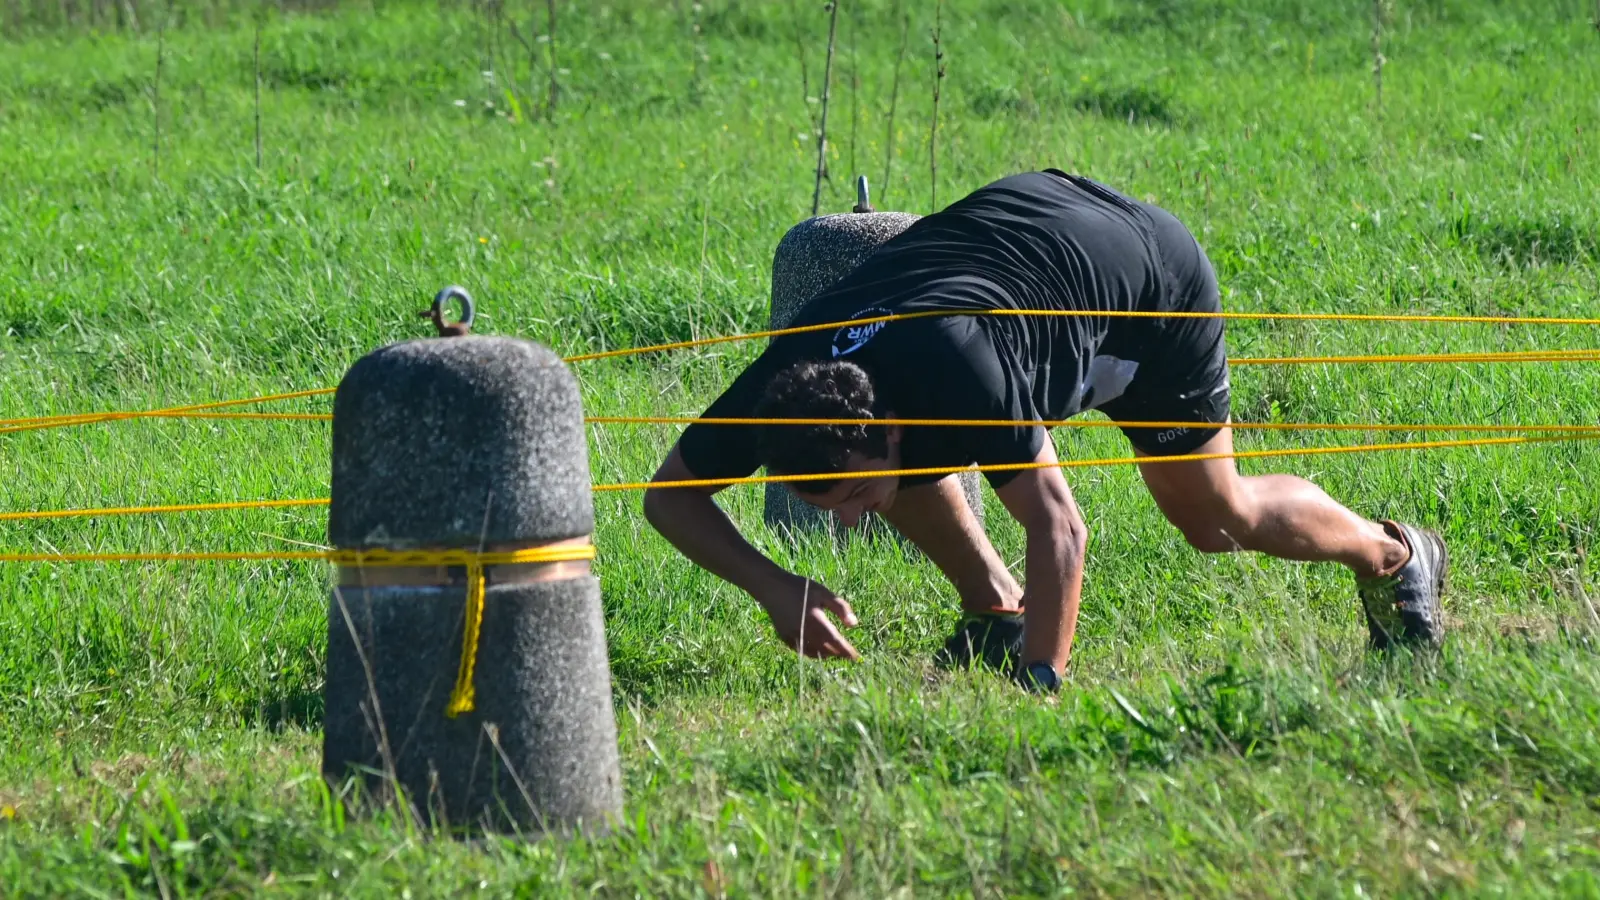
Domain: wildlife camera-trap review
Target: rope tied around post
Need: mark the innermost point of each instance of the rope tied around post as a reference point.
(463, 695)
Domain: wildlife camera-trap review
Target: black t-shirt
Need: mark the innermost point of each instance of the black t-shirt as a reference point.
(1039, 240)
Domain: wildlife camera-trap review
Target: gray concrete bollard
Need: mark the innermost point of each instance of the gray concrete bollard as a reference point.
(811, 257)
(475, 444)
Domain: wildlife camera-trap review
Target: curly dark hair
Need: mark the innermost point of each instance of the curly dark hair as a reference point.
(828, 389)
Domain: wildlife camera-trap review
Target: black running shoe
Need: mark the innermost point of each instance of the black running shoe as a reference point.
(993, 639)
(1404, 608)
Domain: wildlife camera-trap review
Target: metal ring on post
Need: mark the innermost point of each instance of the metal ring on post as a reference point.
(863, 200)
(436, 312)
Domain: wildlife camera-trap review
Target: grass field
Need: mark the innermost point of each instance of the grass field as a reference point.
(1223, 730)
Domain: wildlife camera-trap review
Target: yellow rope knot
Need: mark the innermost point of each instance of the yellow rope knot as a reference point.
(463, 697)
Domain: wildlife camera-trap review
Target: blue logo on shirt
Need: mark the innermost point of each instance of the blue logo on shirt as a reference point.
(851, 338)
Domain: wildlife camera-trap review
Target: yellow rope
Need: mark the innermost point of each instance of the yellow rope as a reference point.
(40, 423)
(267, 556)
(564, 553)
(6, 425)
(1534, 355)
(1096, 423)
(1086, 313)
(362, 558)
(1084, 463)
(1553, 432)
(44, 424)
(135, 510)
(35, 422)
(1508, 356)
(463, 696)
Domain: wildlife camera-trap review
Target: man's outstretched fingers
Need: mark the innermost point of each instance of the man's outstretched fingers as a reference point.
(835, 604)
(841, 649)
(824, 647)
(831, 643)
(808, 616)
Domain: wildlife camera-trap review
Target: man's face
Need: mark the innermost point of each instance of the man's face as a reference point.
(859, 490)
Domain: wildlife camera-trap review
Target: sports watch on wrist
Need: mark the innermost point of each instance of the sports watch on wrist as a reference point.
(1039, 678)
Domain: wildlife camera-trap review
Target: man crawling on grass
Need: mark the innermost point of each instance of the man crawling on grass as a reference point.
(1045, 241)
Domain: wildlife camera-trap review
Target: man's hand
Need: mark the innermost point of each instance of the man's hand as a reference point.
(798, 608)
(696, 526)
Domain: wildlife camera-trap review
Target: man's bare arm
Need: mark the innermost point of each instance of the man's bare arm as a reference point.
(691, 521)
(1040, 500)
(935, 517)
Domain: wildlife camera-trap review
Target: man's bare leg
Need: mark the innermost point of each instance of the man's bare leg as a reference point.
(1218, 510)
(935, 517)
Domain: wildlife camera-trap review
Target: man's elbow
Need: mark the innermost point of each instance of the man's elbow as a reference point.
(653, 512)
(656, 500)
(658, 503)
(665, 504)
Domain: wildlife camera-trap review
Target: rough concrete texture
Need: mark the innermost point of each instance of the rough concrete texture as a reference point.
(458, 442)
(543, 690)
(810, 257)
(469, 442)
(814, 254)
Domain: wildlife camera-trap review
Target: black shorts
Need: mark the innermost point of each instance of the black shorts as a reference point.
(1183, 363)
